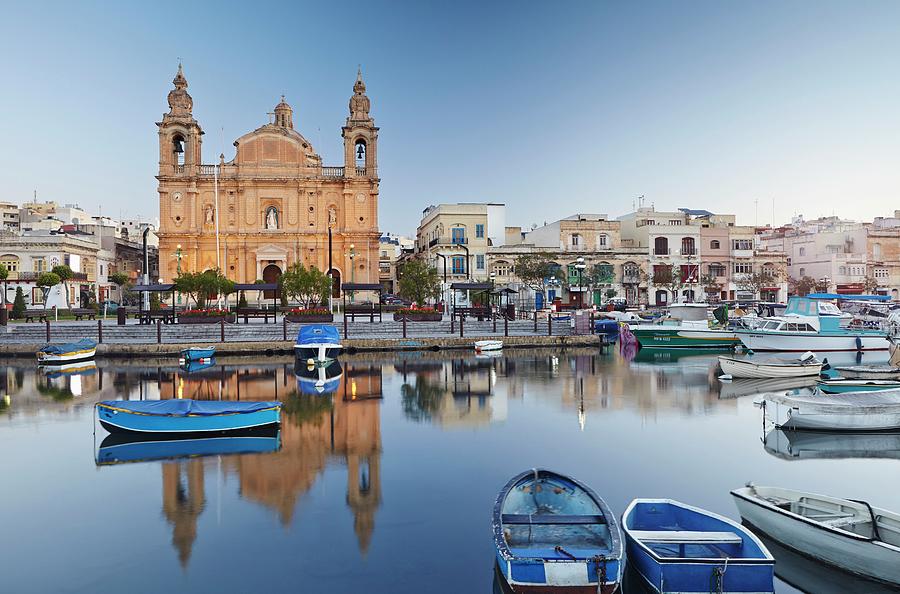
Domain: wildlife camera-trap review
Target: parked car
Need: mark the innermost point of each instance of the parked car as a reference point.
(110, 306)
(388, 299)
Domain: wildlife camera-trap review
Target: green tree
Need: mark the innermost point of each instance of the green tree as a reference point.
(119, 279)
(47, 281)
(186, 284)
(18, 309)
(420, 282)
(535, 269)
(309, 286)
(668, 277)
(802, 286)
(65, 274)
(755, 281)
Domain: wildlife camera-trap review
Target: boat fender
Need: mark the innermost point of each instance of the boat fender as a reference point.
(858, 343)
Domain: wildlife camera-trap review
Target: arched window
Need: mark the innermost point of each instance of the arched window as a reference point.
(714, 244)
(802, 251)
(688, 248)
(458, 235)
(359, 152)
(662, 297)
(178, 146)
(661, 246)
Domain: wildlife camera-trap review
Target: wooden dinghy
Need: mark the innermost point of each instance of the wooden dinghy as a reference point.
(67, 352)
(851, 535)
(482, 346)
(853, 411)
(677, 548)
(554, 534)
(771, 367)
(185, 417)
(198, 353)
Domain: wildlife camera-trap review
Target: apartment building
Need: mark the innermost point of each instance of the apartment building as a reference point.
(454, 238)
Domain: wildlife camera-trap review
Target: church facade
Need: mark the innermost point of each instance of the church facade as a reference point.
(273, 204)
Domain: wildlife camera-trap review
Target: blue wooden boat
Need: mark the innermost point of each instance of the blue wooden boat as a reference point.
(187, 418)
(120, 448)
(67, 352)
(319, 342)
(198, 353)
(554, 534)
(678, 548)
(844, 386)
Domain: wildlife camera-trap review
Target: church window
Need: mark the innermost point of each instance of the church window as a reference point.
(178, 149)
(359, 152)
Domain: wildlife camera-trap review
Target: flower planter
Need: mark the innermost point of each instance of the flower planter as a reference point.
(419, 317)
(309, 318)
(205, 319)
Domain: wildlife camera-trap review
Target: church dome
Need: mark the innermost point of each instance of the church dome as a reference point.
(284, 115)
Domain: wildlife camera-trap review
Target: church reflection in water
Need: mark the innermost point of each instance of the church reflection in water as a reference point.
(318, 429)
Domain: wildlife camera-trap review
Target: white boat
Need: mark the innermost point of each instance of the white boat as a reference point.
(848, 534)
(70, 352)
(853, 411)
(686, 326)
(318, 343)
(488, 345)
(753, 367)
(811, 325)
(874, 372)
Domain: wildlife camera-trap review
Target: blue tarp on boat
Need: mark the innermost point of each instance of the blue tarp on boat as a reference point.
(184, 407)
(315, 334)
(69, 347)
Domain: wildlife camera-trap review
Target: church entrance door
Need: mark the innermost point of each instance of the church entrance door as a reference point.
(271, 274)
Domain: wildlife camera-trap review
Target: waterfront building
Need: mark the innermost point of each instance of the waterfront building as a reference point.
(9, 217)
(275, 203)
(454, 238)
(391, 249)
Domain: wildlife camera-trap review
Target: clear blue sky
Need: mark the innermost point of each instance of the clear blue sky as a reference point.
(550, 107)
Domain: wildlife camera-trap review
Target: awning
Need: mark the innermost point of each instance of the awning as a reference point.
(472, 286)
(153, 288)
(256, 286)
(361, 287)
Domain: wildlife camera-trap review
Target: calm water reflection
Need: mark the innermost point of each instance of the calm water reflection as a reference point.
(384, 473)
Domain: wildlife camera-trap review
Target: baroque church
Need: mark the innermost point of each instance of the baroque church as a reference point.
(273, 204)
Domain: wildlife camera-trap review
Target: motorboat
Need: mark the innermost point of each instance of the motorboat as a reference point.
(319, 342)
(770, 367)
(846, 533)
(843, 386)
(488, 345)
(67, 352)
(854, 411)
(678, 548)
(554, 534)
(811, 324)
(186, 417)
(686, 326)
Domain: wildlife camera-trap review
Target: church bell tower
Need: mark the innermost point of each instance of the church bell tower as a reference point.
(360, 135)
(179, 133)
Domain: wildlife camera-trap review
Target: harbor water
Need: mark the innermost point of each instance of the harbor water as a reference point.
(383, 476)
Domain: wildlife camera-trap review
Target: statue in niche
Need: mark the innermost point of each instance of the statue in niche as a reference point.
(271, 218)
(210, 215)
(332, 216)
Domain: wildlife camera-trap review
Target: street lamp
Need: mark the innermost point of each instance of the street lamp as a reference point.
(352, 269)
(178, 265)
(579, 266)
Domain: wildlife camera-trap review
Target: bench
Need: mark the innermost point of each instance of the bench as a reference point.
(551, 519)
(364, 311)
(147, 317)
(476, 312)
(254, 312)
(39, 314)
(82, 312)
(686, 537)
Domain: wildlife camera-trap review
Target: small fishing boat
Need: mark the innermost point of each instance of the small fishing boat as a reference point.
(187, 417)
(118, 448)
(853, 411)
(686, 326)
(198, 353)
(488, 345)
(842, 386)
(678, 548)
(319, 342)
(838, 445)
(753, 367)
(873, 372)
(554, 534)
(846, 533)
(67, 352)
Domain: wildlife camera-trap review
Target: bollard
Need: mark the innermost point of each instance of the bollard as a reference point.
(549, 325)
(284, 328)
(495, 322)
(158, 331)
(404, 326)
(47, 321)
(452, 323)
(222, 330)
(345, 324)
(505, 325)
(99, 331)
(535, 321)
(461, 320)
(592, 323)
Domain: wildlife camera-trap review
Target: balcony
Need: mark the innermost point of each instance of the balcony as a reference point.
(685, 251)
(33, 276)
(662, 251)
(448, 241)
(332, 172)
(631, 279)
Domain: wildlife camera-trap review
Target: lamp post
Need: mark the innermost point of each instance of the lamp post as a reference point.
(579, 266)
(178, 265)
(352, 269)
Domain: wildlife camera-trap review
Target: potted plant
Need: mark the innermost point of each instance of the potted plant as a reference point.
(309, 314)
(418, 314)
(205, 316)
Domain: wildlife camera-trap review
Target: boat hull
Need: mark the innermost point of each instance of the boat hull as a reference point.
(841, 386)
(740, 368)
(61, 359)
(683, 338)
(118, 421)
(317, 352)
(869, 372)
(197, 354)
(488, 345)
(800, 342)
(860, 556)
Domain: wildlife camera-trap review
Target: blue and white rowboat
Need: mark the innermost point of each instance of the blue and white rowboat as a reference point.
(198, 353)
(677, 548)
(187, 417)
(67, 352)
(554, 534)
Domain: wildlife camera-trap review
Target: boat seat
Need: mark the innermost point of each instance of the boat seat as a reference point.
(551, 519)
(686, 536)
